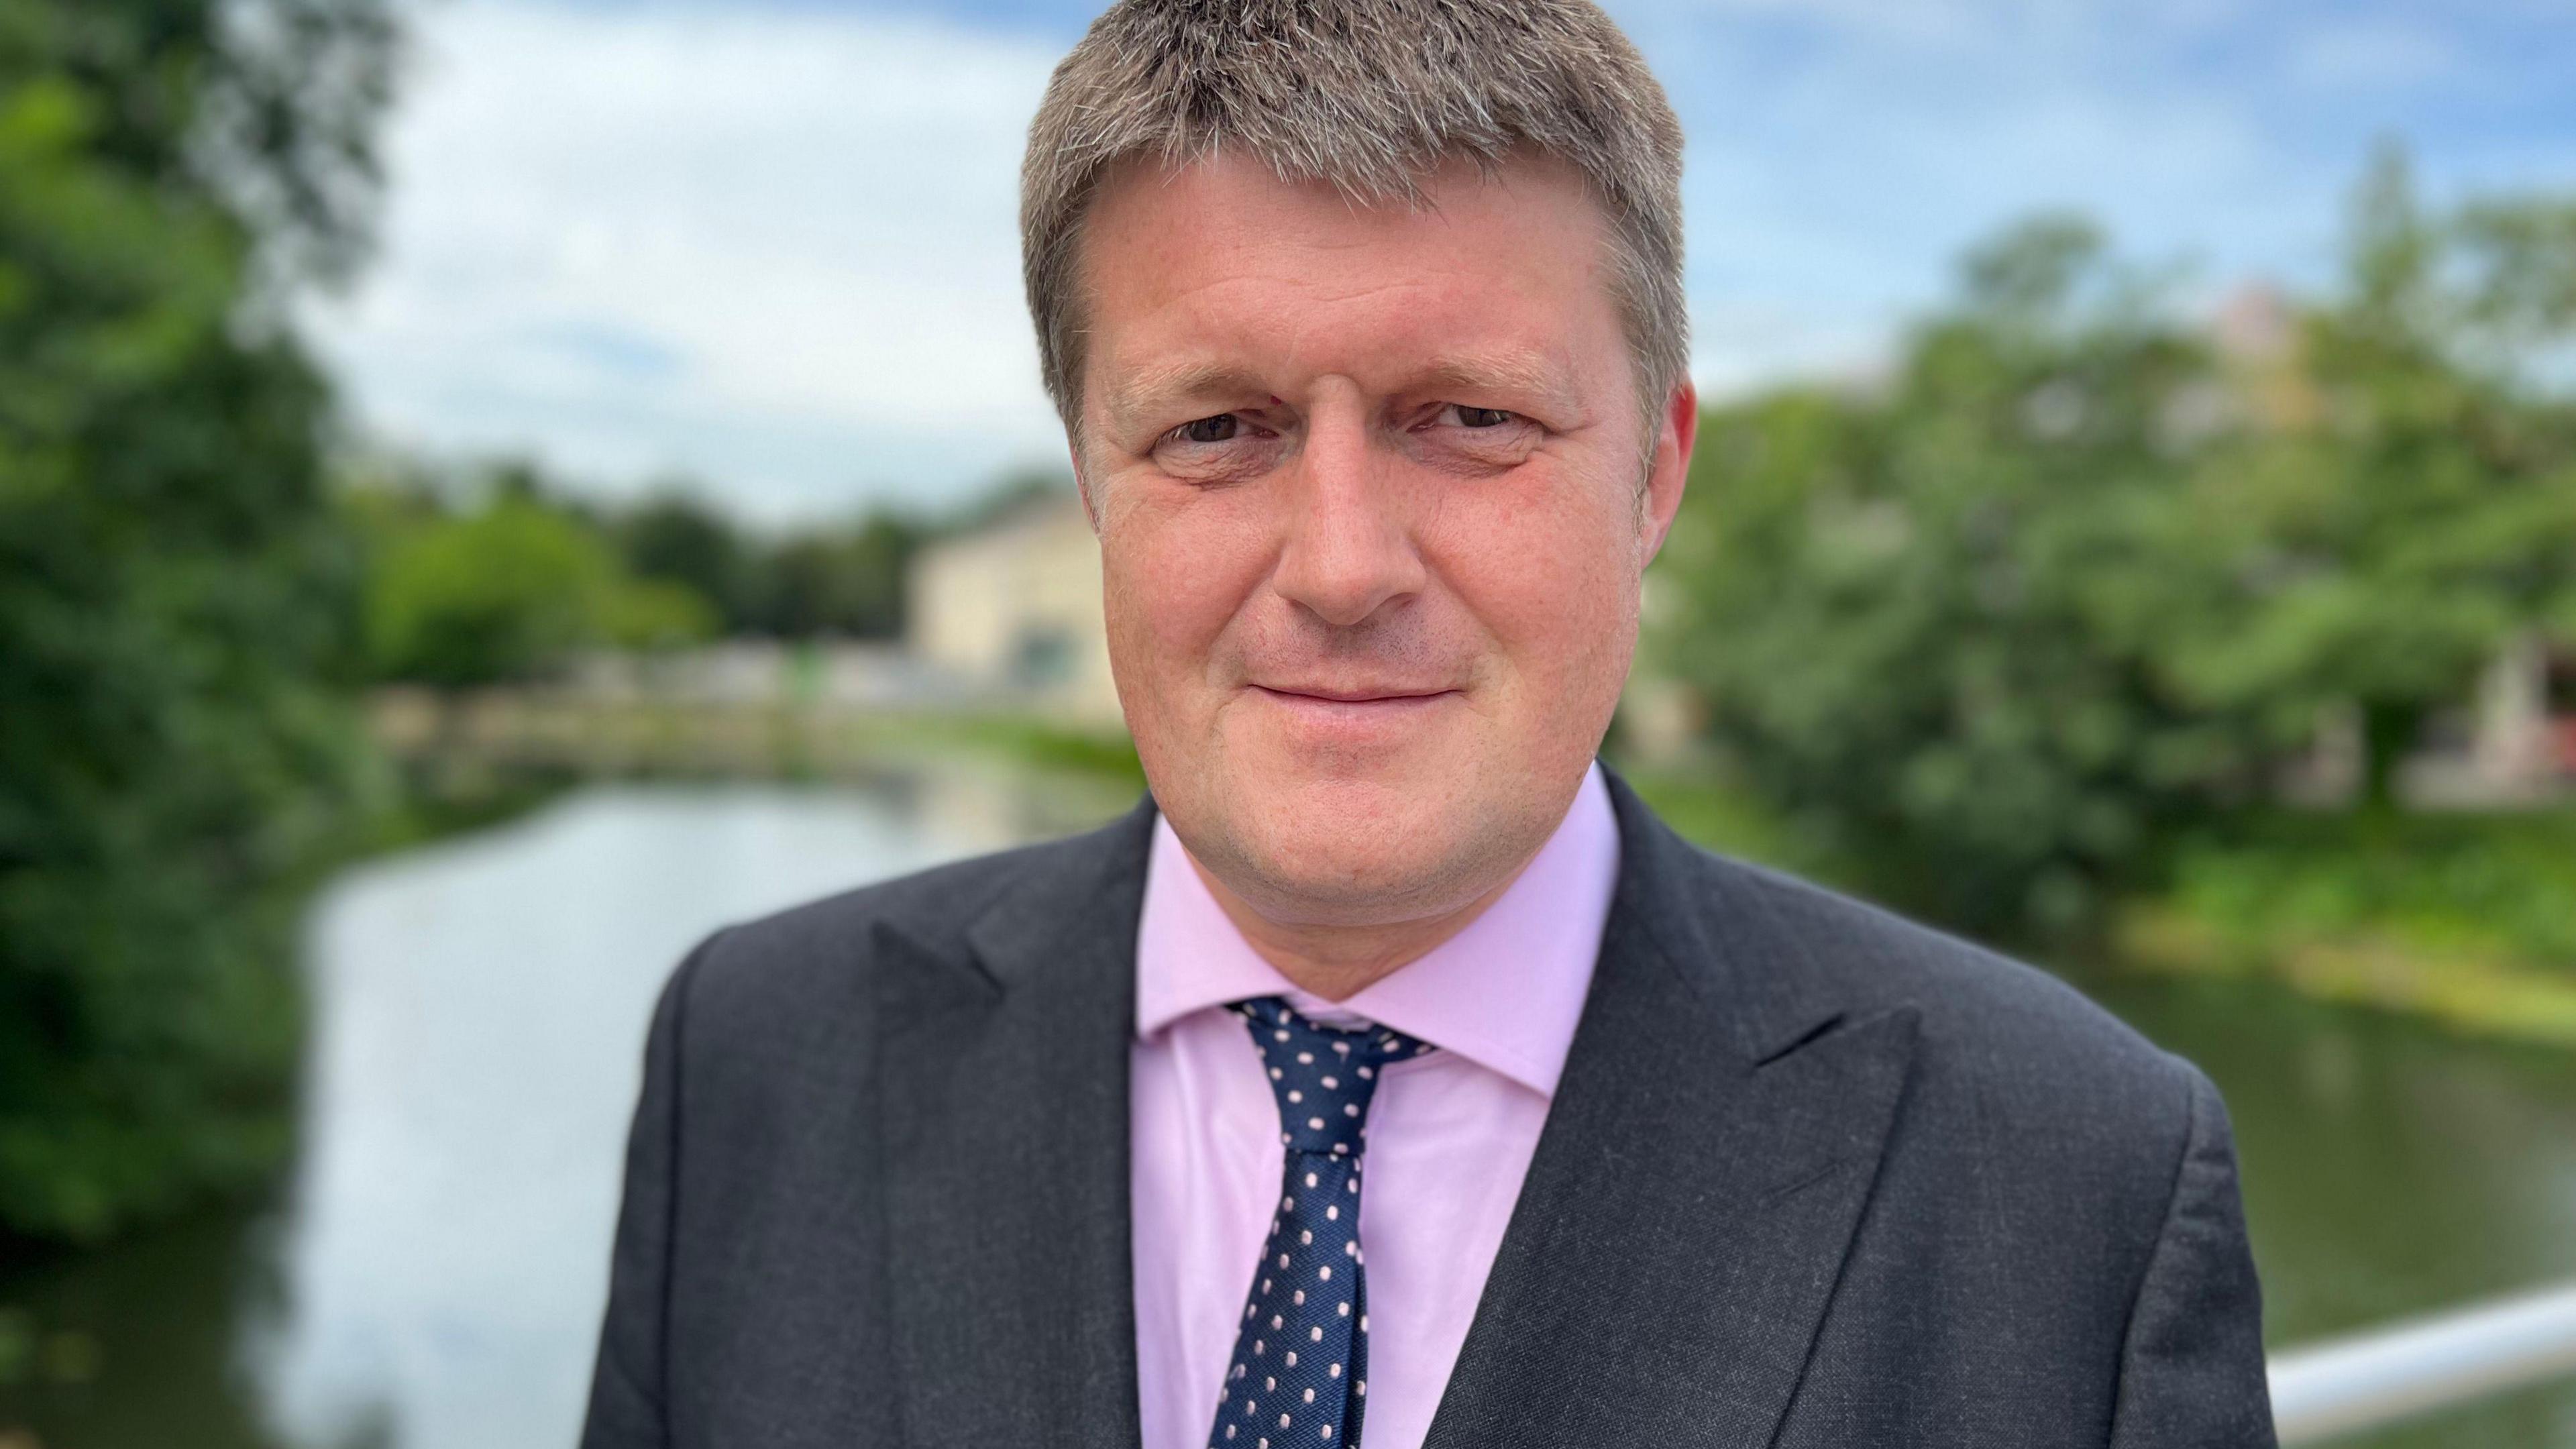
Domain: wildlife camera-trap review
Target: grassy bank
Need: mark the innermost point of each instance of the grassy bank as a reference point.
(628, 738)
(2468, 920)
(1108, 756)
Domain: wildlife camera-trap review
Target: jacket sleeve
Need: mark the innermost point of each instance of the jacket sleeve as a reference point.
(627, 1408)
(2191, 1366)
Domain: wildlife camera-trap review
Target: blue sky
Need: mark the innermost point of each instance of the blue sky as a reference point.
(770, 245)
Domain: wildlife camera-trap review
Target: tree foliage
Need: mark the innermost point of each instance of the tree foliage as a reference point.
(2416, 506)
(508, 590)
(2080, 574)
(845, 579)
(176, 594)
(502, 577)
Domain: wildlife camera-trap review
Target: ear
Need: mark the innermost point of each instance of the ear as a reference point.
(1669, 472)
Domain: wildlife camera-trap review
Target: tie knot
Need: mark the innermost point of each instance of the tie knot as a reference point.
(1322, 1076)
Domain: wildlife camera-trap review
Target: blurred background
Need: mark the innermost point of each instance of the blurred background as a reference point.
(493, 489)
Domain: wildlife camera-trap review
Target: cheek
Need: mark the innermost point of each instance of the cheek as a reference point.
(1175, 574)
(1549, 572)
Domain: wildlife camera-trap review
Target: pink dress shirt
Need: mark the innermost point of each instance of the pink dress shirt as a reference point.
(1450, 1133)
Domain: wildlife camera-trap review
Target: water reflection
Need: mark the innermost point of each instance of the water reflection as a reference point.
(478, 1019)
(433, 1279)
(2388, 1170)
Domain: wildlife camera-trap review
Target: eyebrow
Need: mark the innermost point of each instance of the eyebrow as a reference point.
(1516, 373)
(1153, 388)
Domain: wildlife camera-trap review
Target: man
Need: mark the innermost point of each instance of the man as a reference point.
(1364, 318)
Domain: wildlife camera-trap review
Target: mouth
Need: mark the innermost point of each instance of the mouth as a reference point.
(1367, 718)
(1326, 695)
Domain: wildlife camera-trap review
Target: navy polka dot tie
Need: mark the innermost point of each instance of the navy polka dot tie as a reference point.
(1300, 1371)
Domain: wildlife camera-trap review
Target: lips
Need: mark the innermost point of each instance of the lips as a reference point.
(1358, 692)
(1341, 718)
(1365, 694)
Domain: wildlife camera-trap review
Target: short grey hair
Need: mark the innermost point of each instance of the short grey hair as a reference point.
(1371, 96)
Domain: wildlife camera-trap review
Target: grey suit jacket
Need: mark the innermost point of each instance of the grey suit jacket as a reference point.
(1813, 1177)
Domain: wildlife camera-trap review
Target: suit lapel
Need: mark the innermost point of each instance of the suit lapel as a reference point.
(1005, 1092)
(1704, 1165)
(1702, 1171)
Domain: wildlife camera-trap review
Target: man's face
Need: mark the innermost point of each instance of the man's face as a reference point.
(1374, 490)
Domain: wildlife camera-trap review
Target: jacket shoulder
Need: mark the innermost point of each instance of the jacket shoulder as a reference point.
(815, 964)
(2019, 1046)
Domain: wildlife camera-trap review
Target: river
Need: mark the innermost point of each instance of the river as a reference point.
(431, 1279)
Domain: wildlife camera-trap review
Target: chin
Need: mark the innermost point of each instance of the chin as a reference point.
(1358, 849)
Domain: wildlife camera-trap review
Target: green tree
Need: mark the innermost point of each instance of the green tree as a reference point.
(2074, 579)
(510, 591)
(176, 591)
(679, 540)
(1923, 618)
(835, 579)
(501, 594)
(879, 557)
(2377, 552)
(844, 581)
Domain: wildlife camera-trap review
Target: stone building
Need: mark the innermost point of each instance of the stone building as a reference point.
(1012, 612)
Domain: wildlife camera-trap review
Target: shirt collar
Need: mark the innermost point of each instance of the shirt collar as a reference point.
(1505, 992)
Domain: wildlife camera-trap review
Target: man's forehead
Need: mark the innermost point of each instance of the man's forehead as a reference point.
(1219, 255)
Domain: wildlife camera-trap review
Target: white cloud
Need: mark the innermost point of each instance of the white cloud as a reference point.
(1843, 153)
(777, 245)
(776, 248)
(2373, 54)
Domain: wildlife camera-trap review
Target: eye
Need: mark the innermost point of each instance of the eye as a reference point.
(1479, 417)
(1218, 429)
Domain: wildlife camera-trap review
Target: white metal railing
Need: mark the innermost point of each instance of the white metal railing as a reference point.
(2348, 1384)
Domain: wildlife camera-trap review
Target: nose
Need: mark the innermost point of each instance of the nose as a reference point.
(1349, 549)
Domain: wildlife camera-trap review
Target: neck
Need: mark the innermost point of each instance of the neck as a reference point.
(1337, 962)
